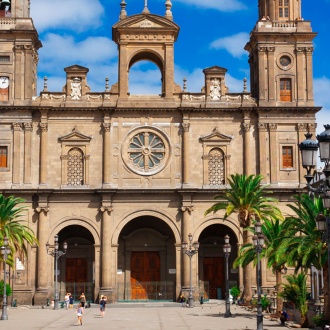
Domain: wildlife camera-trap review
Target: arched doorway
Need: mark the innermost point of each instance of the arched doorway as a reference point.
(146, 261)
(77, 266)
(212, 261)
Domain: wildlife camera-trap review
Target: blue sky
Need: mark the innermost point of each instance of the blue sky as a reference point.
(213, 32)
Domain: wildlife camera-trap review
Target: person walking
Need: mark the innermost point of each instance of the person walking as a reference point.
(80, 312)
(71, 301)
(67, 300)
(82, 300)
(103, 302)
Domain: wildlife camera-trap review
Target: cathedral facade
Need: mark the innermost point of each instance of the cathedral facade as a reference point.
(124, 179)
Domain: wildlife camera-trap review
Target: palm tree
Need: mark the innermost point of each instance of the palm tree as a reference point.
(13, 227)
(273, 233)
(304, 246)
(246, 197)
(295, 291)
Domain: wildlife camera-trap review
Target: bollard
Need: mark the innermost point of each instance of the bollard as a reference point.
(47, 304)
(62, 304)
(15, 303)
(201, 301)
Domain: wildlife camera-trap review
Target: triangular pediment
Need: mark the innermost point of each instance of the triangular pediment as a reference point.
(75, 136)
(215, 69)
(76, 68)
(145, 21)
(216, 136)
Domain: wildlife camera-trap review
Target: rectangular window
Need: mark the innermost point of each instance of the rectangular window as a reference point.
(283, 7)
(285, 90)
(4, 58)
(3, 156)
(287, 157)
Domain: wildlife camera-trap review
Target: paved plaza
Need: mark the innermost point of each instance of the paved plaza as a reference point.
(136, 316)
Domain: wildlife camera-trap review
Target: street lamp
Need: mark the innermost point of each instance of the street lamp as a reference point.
(258, 242)
(227, 250)
(190, 250)
(5, 251)
(321, 187)
(56, 254)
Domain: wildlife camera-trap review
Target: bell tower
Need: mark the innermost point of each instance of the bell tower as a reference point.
(281, 49)
(146, 37)
(19, 43)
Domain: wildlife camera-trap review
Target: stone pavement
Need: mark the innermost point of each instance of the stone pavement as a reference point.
(138, 316)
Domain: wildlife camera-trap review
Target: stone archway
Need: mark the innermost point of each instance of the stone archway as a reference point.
(212, 262)
(146, 261)
(77, 266)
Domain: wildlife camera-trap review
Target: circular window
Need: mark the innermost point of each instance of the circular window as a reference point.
(285, 61)
(146, 151)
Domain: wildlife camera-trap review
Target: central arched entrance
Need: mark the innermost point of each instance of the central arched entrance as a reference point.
(77, 266)
(146, 261)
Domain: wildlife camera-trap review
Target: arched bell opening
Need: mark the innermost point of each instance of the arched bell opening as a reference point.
(77, 266)
(146, 261)
(146, 74)
(212, 261)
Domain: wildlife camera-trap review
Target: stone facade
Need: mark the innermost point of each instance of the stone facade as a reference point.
(125, 178)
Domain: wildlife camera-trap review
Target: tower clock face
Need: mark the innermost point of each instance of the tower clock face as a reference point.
(4, 82)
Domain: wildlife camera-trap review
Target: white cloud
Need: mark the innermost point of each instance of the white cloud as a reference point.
(76, 15)
(222, 5)
(234, 44)
(321, 90)
(64, 49)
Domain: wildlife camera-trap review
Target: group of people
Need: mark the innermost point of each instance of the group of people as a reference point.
(68, 299)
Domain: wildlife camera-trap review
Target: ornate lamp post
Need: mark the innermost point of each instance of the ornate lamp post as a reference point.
(227, 250)
(308, 149)
(56, 254)
(258, 242)
(5, 251)
(190, 251)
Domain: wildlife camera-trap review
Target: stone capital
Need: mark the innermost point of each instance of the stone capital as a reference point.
(312, 127)
(28, 127)
(106, 127)
(262, 127)
(188, 208)
(41, 209)
(246, 127)
(107, 209)
(302, 127)
(17, 126)
(185, 127)
(272, 127)
(44, 127)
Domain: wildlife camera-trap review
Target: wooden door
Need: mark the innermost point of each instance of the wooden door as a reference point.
(76, 270)
(285, 90)
(214, 274)
(145, 267)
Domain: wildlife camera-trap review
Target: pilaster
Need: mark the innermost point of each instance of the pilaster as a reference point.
(106, 154)
(273, 153)
(263, 146)
(17, 128)
(28, 128)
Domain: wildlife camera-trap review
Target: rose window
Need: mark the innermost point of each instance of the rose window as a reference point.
(146, 150)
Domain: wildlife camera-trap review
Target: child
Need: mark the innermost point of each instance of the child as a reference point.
(71, 301)
(80, 312)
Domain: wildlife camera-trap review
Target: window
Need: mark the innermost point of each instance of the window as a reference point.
(75, 167)
(216, 167)
(3, 156)
(285, 90)
(287, 157)
(4, 58)
(283, 8)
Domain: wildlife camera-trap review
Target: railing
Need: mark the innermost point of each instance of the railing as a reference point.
(284, 23)
(146, 291)
(77, 288)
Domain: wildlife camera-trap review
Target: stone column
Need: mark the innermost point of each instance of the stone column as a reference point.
(247, 143)
(19, 82)
(271, 75)
(301, 76)
(106, 262)
(186, 154)
(302, 130)
(43, 153)
(309, 73)
(261, 73)
(17, 127)
(28, 72)
(43, 270)
(122, 71)
(168, 72)
(106, 154)
(178, 276)
(273, 153)
(187, 228)
(263, 147)
(28, 127)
